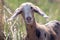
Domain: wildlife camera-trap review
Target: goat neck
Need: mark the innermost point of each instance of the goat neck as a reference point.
(31, 34)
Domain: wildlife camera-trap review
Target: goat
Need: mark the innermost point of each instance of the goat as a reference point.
(55, 26)
(34, 30)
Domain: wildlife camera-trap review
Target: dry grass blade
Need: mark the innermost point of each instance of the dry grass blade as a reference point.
(8, 10)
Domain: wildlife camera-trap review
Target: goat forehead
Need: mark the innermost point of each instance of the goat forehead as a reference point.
(27, 10)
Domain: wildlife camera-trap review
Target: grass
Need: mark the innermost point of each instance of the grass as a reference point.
(51, 9)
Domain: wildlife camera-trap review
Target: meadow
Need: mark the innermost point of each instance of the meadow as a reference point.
(52, 9)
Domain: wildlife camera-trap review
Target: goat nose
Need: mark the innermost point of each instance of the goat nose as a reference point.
(28, 18)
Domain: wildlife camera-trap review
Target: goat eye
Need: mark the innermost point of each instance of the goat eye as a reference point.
(31, 7)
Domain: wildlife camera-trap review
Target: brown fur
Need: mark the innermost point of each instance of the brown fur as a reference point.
(45, 33)
(55, 26)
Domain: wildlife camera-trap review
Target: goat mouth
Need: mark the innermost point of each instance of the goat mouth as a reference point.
(29, 22)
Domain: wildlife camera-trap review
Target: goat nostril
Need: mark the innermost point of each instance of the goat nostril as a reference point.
(28, 18)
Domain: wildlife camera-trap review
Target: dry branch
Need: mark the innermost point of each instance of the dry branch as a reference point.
(8, 10)
(13, 28)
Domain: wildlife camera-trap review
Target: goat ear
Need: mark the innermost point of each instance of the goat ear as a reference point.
(39, 11)
(16, 13)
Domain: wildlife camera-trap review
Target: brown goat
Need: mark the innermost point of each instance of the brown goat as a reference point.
(34, 30)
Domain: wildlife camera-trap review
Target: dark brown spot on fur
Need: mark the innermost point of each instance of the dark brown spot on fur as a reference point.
(27, 36)
(56, 31)
(38, 33)
(45, 34)
(57, 26)
(52, 37)
(58, 23)
(31, 26)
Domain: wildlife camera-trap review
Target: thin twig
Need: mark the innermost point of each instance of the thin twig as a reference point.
(8, 10)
